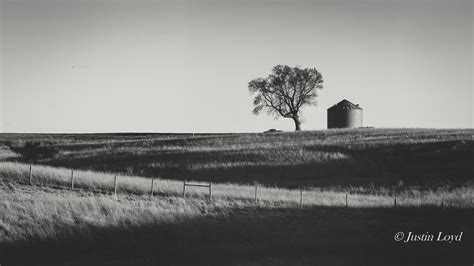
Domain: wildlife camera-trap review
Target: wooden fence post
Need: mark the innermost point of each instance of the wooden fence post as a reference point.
(256, 198)
(395, 202)
(210, 190)
(442, 204)
(115, 185)
(72, 179)
(346, 201)
(301, 197)
(184, 188)
(30, 176)
(152, 186)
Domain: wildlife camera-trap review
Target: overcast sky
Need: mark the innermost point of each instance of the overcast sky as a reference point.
(183, 66)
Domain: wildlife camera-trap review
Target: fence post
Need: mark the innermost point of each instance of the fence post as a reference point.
(152, 186)
(301, 197)
(442, 204)
(395, 202)
(256, 199)
(30, 176)
(210, 190)
(72, 179)
(184, 188)
(115, 185)
(346, 201)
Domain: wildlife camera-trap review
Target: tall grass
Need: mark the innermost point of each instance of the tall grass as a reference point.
(240, 194)
(45, 226)
(360, 157)
(59, 214)
(50, 224)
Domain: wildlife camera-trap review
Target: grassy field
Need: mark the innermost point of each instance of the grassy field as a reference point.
(379, 157)
(47, 223)
(41, 225)
(45, 176)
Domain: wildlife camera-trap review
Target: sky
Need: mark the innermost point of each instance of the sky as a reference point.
(184, 66)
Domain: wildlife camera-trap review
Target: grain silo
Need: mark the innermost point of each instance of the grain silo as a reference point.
(345, 115)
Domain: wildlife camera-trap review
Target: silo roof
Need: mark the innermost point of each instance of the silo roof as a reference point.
(345, 105)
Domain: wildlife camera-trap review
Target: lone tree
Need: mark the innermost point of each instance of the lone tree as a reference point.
(285, 91)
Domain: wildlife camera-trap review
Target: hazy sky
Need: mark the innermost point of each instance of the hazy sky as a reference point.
(183, 66)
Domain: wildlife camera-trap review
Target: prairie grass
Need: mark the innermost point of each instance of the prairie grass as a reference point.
(47, 223)
(267, 196)
(45, 226)
(427, 158)
(40, 209)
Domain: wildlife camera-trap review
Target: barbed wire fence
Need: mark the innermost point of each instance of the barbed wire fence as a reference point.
(114, 189)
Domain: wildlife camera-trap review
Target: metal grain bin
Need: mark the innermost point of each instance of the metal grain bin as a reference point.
(345, 115)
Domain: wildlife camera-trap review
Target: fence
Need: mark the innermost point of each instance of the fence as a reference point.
(197, 185)
(115, 185)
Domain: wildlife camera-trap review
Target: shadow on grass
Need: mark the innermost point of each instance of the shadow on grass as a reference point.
(422, 164)
(257, 236)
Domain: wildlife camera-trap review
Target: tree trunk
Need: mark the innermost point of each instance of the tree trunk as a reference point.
(296, 118)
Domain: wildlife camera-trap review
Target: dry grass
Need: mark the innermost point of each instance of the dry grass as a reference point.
(34, 212)
(54, 225)
(44, 226)
(267, 196)
(382, 157)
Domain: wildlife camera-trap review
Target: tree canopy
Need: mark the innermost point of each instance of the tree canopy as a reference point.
(285, 91)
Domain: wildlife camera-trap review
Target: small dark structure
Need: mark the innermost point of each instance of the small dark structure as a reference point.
(345, 115)
(272, 130)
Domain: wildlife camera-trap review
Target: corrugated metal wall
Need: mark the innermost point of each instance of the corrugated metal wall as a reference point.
(345, 118)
